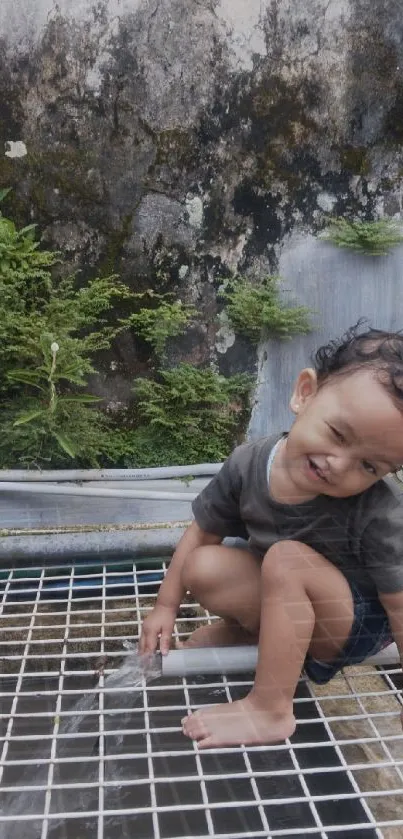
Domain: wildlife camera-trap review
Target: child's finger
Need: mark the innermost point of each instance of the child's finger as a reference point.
(148, 642)
(142, 643)
(165, 642)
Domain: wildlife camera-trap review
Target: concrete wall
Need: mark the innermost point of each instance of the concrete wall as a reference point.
(177, 140)
(340, 287)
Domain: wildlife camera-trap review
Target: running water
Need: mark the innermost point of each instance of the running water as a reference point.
(83, 721)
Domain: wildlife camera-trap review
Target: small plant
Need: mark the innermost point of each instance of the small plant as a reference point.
(76, 433)
(54, 413)
(189, 416)
(32, 304)
(256, 310)
(375, 238)
(43, 417)
(167, 320)
(20, 259)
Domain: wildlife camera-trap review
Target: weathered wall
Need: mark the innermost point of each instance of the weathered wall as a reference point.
(340, 287)
(174, 140)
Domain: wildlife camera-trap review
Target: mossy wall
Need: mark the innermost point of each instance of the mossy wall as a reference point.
(178, 141)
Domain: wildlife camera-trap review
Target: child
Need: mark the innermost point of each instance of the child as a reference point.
(320, 584)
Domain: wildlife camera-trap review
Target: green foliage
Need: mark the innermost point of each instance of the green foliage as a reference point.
(52, 413)
(42, 418)
(167, 320)
(375, 238)
(73, 435)
(188, 416)
(50, 329)
(4, 193)
(20, 259)
(35, 310)
(256, 309)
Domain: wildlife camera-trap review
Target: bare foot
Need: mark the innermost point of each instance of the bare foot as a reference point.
(238, 723)
(218, 634)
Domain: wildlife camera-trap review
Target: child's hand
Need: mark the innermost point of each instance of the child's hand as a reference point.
(158, 624)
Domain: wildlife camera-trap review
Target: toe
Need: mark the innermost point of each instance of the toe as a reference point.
(191, 734)
(188, 727)
(194, 727)
(206, 743)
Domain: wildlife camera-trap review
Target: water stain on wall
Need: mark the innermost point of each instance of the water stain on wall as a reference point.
(178, 142)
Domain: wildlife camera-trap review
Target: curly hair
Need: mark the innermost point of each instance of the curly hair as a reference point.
(374, 349)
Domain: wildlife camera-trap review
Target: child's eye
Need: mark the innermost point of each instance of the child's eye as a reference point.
(337, 433)
(368, 467)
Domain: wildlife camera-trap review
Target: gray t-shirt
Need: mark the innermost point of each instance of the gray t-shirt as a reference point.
(362, 535)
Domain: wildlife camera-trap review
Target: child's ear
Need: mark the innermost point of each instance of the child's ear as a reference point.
(305, 388)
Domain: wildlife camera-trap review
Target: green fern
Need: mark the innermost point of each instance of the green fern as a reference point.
(49, 331)
(375, 238)
(167, 320)
(44, 418)
(190, 414)
(256, 310)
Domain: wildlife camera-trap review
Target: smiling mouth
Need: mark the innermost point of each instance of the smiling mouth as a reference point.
(316, 469)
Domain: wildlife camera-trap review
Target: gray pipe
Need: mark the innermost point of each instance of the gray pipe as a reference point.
(193, 661)
(151, 474)
(224, 661)
(69, 548)
(92, 492)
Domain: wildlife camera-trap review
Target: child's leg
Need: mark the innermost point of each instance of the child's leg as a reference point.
(227, 582)
(306, 604)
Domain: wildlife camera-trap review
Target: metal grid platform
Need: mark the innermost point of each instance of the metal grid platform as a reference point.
(126, 769)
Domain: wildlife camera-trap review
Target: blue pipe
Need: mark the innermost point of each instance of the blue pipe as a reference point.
(84, 586)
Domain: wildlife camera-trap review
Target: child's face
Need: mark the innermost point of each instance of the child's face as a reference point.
(346, 436)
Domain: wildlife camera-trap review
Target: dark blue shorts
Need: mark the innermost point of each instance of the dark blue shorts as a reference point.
(369, 634)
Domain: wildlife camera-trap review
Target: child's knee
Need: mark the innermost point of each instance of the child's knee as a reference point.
(273, 569)
(199, 569)
(282, 558)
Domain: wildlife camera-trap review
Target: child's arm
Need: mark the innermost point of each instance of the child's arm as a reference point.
(393, 605)
(216, 508)
(160, 623)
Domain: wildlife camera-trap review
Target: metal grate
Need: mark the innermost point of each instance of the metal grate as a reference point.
(126, 770)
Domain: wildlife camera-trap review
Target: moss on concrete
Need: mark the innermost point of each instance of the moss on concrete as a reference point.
(110, 263)
(65, 169)
(355, 159)
(174, 145)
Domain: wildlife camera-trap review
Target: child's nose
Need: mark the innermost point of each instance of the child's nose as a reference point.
(340, 464)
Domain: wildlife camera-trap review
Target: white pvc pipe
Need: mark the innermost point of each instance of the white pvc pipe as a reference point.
(390, 655)
(95, 492)
(151, 474)
(193, 661)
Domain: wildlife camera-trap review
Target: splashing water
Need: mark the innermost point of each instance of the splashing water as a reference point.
(82, 768)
